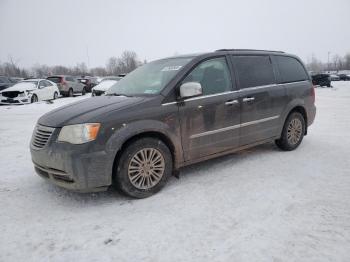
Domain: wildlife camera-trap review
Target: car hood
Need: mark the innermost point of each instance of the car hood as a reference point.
(20, 88)
(86, 110)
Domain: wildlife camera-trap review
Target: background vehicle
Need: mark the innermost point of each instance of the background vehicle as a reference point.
(344, 77)
(89, 82)
(104, 85)
(5, 82)
(321, 80)
(29, 91)
(68, 85)
(175, 112)
(334, 77)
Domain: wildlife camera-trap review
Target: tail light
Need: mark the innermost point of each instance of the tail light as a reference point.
(313, 96)
(63, 82)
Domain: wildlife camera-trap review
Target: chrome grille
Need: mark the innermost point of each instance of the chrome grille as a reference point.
(41, 135)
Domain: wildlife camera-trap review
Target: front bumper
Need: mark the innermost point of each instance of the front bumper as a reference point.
(16, 100)
(81, 168)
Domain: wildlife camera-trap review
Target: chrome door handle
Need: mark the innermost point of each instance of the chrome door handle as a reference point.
(248, 99)
(232, 102)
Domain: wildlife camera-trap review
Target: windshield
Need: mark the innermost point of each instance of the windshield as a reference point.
(55, 79)
(150, 78)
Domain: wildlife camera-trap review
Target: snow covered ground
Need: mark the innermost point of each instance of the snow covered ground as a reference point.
(257, 205)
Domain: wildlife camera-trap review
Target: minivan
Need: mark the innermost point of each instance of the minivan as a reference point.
(171, 113)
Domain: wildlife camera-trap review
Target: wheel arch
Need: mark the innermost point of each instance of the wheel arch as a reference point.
(152, 134)
(296, 108)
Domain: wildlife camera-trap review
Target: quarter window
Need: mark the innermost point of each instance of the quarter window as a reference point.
(254, 71)
(213, 75)
(291, 69)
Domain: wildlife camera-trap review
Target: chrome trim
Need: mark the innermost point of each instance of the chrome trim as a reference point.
(201, 97)
(259, 121)
(235, 91)
(234, 127)
(258, 87)
(213, 95)
(215, 131)
(170, 103)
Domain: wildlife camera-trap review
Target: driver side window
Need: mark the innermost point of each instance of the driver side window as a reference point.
(42, 84)
(213, 75)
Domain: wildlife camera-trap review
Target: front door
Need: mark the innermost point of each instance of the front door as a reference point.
(262, 100)
(210, 122)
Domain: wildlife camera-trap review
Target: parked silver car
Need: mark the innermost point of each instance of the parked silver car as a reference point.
(68, 85)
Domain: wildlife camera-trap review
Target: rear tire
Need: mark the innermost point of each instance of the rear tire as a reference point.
(83, 92)
(34, 99)
(55, 96)
(144, 167)
(70, 92)
(293, 132)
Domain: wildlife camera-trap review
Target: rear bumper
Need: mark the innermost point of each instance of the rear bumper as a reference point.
(311, 114)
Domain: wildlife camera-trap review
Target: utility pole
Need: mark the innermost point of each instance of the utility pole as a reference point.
(328, 60)
(88, 58)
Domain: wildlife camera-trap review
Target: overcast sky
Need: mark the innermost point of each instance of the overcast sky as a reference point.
(70, 31)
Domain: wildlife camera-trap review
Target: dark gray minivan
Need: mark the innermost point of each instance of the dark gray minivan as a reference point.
(171, 113)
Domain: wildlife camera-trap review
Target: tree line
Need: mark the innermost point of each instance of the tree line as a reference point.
(128, 61)
(123, 64)
(335, 63)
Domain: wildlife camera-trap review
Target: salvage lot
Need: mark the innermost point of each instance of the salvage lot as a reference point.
(257, 205)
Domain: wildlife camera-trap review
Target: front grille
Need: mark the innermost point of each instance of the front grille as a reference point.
(98, 92)
(41, 135)
(11, 94)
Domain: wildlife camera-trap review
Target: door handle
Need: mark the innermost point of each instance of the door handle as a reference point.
(248, 99)
(231, 102)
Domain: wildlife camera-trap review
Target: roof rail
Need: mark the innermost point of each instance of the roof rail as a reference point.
(248, 50)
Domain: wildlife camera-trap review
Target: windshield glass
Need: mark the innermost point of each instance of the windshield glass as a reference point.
(150, 78)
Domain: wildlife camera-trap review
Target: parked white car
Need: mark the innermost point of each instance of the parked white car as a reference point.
(29, 91)
(105, 84)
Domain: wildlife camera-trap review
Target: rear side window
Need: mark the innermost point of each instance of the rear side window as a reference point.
(55, 79)
(291, 70)
(254, 71)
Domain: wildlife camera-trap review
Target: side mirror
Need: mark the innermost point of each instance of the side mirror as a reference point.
(190, 89)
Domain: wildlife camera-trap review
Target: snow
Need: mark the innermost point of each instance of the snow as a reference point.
(22, 86)
(260, 204)
(105, 85)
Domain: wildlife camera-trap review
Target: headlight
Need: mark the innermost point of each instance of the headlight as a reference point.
(22, 94)
(79, 134)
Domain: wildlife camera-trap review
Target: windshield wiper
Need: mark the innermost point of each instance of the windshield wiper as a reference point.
(116, 94)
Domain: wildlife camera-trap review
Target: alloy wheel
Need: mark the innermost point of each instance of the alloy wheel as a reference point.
(294, 131)
(146, 168)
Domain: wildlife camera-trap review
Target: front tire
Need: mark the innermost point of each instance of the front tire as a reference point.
(55, 96)
(144, 167)
(83, 92)
(34, 99)
(293, 132)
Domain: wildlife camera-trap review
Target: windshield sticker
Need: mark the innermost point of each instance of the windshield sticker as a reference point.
(150, 91)
(171, 68)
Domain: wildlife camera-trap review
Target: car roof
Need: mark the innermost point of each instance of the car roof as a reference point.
(33, 79)
(235, 51)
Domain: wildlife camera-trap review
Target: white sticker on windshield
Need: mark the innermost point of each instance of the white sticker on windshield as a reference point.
(150, 91)
(171, 68)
